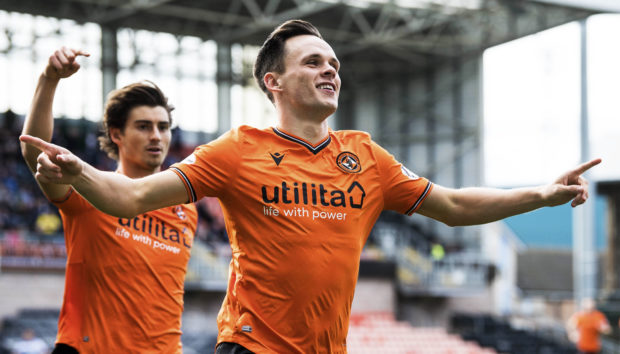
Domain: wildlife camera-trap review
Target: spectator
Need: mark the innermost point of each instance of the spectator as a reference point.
(30, 344)
(48, 222)
(586, 326)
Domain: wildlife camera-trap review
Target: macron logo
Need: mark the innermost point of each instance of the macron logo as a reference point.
(277, 158)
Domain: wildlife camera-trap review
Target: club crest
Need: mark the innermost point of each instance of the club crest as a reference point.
(180, 213)
(348, 162)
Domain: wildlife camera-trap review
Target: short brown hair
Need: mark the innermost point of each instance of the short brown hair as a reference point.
(120, 102)
(271, 55)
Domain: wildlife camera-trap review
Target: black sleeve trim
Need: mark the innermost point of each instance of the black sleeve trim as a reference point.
(420, 199)
(64, 198)
(192, 192)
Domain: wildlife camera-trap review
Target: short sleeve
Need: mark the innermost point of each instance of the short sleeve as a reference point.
(403, 190)
(72, 203)
(211, 168)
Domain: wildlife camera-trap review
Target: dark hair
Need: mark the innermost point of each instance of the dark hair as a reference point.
(271, 55)
(120, 102)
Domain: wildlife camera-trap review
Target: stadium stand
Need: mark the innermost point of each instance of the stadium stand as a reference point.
(31, 235)
(381, 333)
(43, 322)
(490, 332)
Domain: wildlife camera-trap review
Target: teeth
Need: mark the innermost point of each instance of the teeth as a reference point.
(326, 86)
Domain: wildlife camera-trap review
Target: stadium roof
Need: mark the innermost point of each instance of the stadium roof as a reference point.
(388, 35)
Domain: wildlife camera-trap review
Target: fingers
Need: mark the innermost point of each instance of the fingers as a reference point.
(40, 144)
(62, 63)
(578, 201)
(67, 55)
(80, 52)
(64, 56)
(583, 195)
(46, 167)
(586, 166)
(61, 169)
(54, 62)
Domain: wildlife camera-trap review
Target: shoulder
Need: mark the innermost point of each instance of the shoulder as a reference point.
(189, 208)
(247, 132)
(351, 135)
(600, 314)
(239, 135)
(72, 203)
(353, 139)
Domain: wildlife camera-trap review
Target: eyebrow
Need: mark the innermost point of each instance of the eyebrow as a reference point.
(146, 121)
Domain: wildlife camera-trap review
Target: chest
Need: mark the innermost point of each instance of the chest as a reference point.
(156, 238)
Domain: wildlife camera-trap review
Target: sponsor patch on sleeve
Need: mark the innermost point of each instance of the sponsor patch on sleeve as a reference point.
(189, 160)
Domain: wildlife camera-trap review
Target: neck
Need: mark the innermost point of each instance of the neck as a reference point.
(312, 129)
(313, 133)
(134, 171)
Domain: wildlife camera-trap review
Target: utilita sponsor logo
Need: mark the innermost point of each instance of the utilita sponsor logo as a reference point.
(156, 228)
(311, 193)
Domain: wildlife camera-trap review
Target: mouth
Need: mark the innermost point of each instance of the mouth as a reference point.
(154, 150)
(327, 87)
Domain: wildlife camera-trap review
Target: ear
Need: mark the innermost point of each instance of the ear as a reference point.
(115, 135)
(271, 82)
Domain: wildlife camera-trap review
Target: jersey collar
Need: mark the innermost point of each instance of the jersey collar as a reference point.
(313, 149)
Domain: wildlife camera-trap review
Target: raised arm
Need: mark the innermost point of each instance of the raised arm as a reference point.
(110, 192)
(473, 206)
(40, 121)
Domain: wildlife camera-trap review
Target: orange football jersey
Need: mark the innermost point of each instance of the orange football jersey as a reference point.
(297, 217)
(124, 278)
(589, 325)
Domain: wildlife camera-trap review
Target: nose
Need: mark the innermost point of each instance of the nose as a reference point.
(155, 134)
(329, 71)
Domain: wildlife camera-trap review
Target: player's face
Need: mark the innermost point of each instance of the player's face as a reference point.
(145, 140)
(310, 80)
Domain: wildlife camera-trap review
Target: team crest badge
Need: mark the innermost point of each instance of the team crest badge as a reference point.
(179, 211)
(349, 162)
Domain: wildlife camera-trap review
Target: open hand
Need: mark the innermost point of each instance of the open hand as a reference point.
(55, 164)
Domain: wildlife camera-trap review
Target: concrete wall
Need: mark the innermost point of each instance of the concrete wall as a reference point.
(436, 311)
(374, 295)
(30, 290)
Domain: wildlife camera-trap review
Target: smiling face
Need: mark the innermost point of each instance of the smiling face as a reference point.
(144, 142)
(310, 82)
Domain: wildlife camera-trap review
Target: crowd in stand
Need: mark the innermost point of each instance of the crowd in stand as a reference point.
(30, 225)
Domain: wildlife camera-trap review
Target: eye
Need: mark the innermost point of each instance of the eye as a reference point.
(143, 126)
(164, 127)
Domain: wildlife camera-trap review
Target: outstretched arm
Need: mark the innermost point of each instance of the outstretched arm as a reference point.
(40, 121)
(473, 206)
(110, 192)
